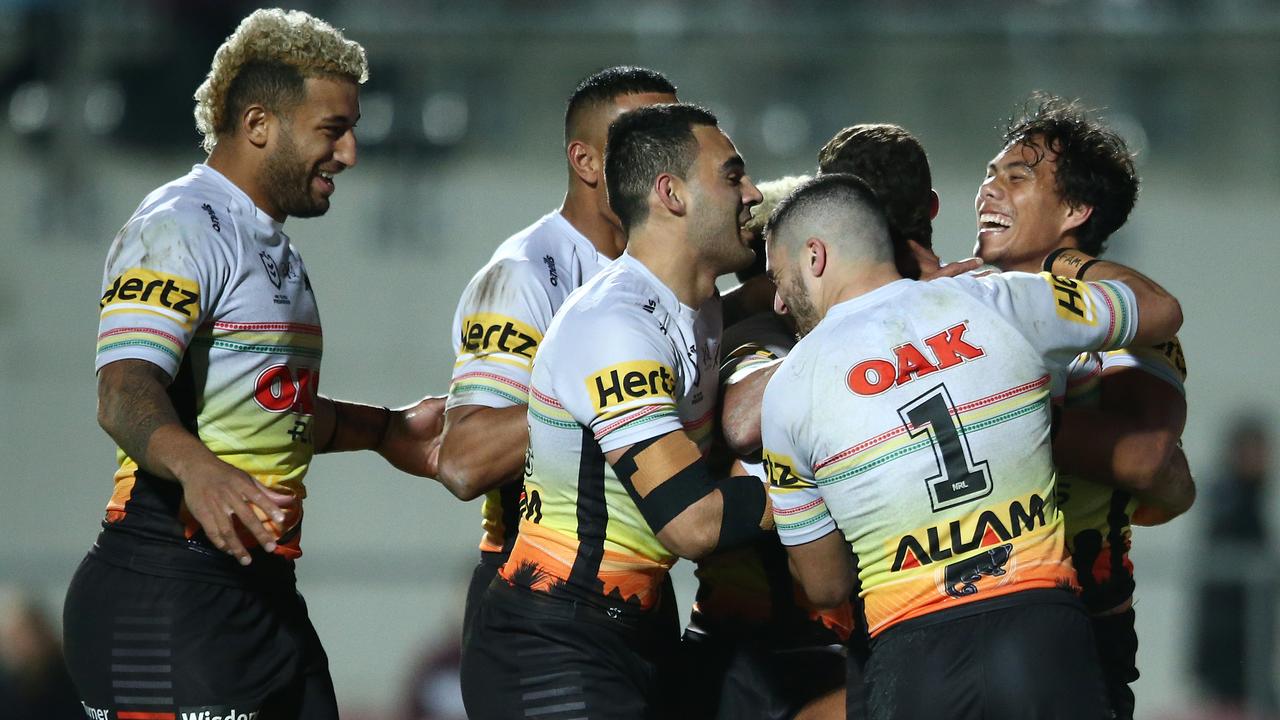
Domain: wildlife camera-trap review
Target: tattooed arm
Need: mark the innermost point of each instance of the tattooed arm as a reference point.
(137, 413)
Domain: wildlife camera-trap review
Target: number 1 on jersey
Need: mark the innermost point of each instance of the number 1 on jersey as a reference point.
(960, 478)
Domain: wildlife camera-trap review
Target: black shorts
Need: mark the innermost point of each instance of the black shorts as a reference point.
(1025, 656)
(745, 676)
(483, 574)
(535, 656)
(1117, 642)
(148, 646)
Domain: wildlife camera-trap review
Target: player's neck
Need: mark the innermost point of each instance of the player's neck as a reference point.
(861, 283)
(581, 211)
(667, 255)
(243, 175)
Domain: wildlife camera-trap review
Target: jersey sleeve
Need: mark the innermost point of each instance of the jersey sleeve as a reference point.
(620, 382)
(1061, 317)
(799, 512)
(498, 325)
(753, 344)
(163, 276)
(1164, 361)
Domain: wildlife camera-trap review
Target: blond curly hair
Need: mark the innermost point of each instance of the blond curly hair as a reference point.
(311, 46)
(773, 192)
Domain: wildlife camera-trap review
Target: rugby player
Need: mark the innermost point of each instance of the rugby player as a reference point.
(963, 570)
(754, 647)
(208, 363)
(1064, 182)
(506, 308)
(621, 408)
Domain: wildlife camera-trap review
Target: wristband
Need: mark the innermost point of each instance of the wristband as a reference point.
(1080, 272)
(1069, 259)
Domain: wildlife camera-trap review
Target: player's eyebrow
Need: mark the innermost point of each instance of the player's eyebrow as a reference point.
(340, 118)
(733, 164)
(1010, 165)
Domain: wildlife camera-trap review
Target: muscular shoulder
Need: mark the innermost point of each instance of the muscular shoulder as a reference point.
(172, 230)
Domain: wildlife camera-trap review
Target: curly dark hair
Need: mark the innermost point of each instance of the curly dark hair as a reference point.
(1094, 165)
(893, 162)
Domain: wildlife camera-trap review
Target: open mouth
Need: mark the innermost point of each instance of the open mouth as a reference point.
(325, 181)
(990, 222)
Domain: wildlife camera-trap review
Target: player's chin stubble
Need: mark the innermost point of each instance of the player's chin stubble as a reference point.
(288, 180)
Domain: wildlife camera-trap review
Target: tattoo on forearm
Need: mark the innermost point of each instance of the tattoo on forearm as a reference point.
(137, 407)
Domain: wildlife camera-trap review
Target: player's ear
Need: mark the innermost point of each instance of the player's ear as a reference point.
(255, 123)
(935, 204)
(1076, 216)
(671, 194)
(815, 256)
(585, 161)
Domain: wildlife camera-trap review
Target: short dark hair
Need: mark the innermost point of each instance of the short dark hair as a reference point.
(644, 143)
(278, 86)
(842, 189)
(604, 85)
(1094, 166)
(893, 162)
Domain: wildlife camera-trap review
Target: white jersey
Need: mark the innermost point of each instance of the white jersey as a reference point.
(624, 361)
(916, 420)
(501, 318)
(203, 284)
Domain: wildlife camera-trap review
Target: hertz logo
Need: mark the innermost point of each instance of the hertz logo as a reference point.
(487, 333)
(1072, 301)
(630, 381)
(780, 471)
(175, 297)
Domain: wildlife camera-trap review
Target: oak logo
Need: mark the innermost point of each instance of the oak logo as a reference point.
(960, 536)
(1073, 301)
(630, 381)
(175, 297)
(948, 348)
(281, 388)
(486, 333)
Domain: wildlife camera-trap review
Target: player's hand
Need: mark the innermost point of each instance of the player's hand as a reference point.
(412, 440)
(220, 496)
(931, 266)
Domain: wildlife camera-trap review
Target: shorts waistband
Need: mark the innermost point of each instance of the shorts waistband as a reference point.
(190, 561)
(538, 604)
(494, 559)
(1038, 596)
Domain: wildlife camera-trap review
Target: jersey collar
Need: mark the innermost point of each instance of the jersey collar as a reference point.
(204, 172)
(875, 297)
(585, 248)
(666, 295)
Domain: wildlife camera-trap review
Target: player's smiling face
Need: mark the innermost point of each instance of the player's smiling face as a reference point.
(315, 141)
(1021, 216)
(722, 196)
